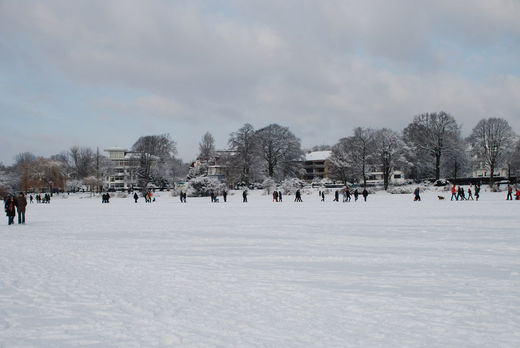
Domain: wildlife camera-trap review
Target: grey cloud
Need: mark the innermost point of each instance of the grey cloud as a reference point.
(326, 66)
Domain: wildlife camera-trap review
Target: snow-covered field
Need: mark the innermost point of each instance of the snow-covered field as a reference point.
(387, 273)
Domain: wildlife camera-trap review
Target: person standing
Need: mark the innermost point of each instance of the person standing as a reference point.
(279, 196)
(509, 193)
(224, 195)
(275, 196)
(244, 196)
(470, 195)
(356, 195)
(365, 194)
(477, 192)
(136, 197)
(323, 196)
(10, 209)
(21, 204)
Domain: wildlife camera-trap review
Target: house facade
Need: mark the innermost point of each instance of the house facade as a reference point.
(316, 165)
(123, 173)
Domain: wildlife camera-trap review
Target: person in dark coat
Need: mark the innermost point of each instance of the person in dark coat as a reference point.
(417, 196)
(244, 196)
(21, 204)
(224, 195)
(298, 196)
(477, 192)
(356, 195)
(136, 197)
(336, 196)
(365, 194)
(10, 209)
(323, 196)
(279, 196)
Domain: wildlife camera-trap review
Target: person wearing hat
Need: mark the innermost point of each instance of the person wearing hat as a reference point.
(21, 204)
(10, 209)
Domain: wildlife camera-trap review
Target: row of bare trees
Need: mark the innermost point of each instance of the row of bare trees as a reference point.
(431, 146)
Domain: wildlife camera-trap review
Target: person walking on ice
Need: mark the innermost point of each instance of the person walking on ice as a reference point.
(454, 193)
(417, 196)
(21, 204)
(244, 196)
(365, 194)
(509, 193)
(10, 209)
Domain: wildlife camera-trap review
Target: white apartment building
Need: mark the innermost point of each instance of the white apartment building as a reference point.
(123, 175)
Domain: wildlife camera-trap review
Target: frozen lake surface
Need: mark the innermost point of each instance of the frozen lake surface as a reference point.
(389, 273)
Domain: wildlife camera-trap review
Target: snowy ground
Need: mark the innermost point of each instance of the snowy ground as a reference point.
(387, 273)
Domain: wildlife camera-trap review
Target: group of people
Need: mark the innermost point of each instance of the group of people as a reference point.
(346, 194)
(277, 196)
(459, 193)
(15, 205)
(46, 198)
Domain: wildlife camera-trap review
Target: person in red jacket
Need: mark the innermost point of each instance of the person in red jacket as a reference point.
(517, 195)
(454, 193)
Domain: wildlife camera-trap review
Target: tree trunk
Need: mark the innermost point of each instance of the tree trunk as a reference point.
(491, 175)
(437, 166)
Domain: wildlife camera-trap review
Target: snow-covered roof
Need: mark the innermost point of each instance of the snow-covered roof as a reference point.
(317, 155)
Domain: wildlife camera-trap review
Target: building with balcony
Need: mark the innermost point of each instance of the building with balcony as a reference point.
(123, 169)
(316, 165)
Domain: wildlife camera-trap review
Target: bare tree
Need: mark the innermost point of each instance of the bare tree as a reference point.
(155, 155)
(362, 149)
(23, 163)
(490, 141)
(280, 149)
(207, 147)
(82, 161)
(430, 134)
(388, 151)
(456, 159)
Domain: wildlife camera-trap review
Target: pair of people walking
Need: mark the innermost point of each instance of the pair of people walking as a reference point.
(15, 205)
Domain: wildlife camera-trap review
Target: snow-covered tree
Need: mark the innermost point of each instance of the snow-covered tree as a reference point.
(490, 141)
(268, 185)
(245, 148)
(341, 161)
(429, 135)
(290, 185)
(203, 186)
(388, 151)
(279, 150)
(156, 153)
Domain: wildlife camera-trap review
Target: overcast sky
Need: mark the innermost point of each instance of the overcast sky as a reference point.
(102, 73)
